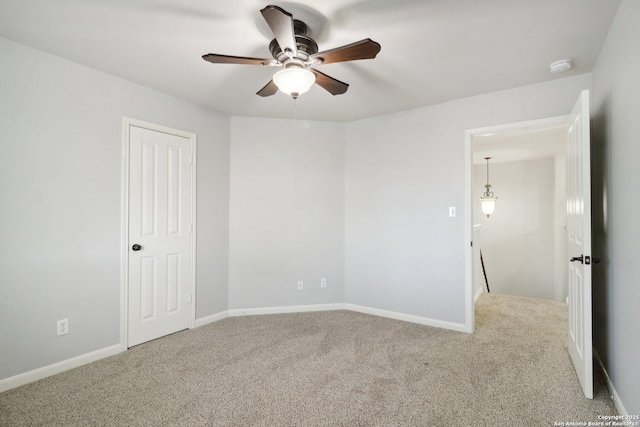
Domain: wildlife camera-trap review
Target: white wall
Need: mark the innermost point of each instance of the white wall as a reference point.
(560, 278)
(403, 171)
(616, 203)
(287, 212)
(60, 226)
(517, 239)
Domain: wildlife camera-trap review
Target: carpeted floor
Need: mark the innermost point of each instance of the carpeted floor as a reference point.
(329, 368)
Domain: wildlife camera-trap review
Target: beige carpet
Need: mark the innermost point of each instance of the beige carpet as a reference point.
(329, 368)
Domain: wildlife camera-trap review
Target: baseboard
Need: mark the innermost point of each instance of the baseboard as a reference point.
(56, 368)
(285, 309)
(212, 318)
(475, 298)
(612, 390)
(459, 327)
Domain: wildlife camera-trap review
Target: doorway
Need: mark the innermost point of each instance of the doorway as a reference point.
(523, 243)
(159, 252)
(472, 287)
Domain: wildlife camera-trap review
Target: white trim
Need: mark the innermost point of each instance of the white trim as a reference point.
(612, 390)
(124, 237)
(124, 218)
(480, 290)
(468, 202)
(56, 368)
(525, 125)
(351, 307)
(194, 225)
(475, 298)
(469, 311)
(286, 309)
(459, 327)
(212, 318)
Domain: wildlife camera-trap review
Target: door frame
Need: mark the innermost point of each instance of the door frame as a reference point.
(127, 123)
(468, 202)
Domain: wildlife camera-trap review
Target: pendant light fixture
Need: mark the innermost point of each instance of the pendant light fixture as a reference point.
(488, 199)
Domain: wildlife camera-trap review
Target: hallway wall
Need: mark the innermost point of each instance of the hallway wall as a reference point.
(518, 238)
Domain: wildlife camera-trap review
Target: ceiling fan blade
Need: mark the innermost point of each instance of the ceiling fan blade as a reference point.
(331, 85)
(227, 59)
(268, 90)
(281, 24)
(364, 49)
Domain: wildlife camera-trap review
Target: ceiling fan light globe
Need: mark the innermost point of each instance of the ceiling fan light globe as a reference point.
(294, 80)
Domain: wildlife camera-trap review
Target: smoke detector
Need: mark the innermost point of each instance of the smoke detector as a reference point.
(560, 66)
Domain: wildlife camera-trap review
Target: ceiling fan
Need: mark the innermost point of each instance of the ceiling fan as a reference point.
(296, 53)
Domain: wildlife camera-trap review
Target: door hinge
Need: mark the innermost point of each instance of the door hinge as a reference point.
(190, 299)
(190, 160)
(190, 228)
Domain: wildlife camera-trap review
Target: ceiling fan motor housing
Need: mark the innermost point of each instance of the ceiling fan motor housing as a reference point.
(299, 28)
(306, 45)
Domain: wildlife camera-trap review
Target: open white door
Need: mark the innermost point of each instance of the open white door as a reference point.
(160, 234)
(579, 243)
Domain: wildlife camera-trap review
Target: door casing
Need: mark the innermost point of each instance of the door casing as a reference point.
(124, 246)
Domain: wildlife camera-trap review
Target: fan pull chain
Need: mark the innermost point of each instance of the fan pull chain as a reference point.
(295, 114)
(293, 141)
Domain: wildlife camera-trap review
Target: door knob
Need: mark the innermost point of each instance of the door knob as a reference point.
(136, 247)
(578, 258)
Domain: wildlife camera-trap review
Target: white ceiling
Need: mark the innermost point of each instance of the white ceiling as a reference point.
(520, 145)
(432, 50)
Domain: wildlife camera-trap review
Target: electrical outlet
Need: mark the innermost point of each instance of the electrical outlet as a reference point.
(63, 327)
(323, 283)
(452, 211)
(300, 285)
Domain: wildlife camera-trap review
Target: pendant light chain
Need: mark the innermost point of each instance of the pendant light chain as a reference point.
(487, 170)
(487, 192)
(488, 199)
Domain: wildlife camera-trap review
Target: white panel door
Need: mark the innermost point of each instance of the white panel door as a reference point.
(159, 234)
(579, 243)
